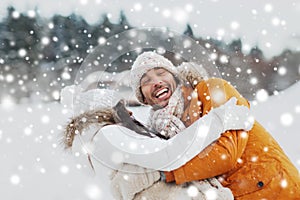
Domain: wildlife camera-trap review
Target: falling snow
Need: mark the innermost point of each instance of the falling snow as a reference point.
(15, 179)
(192, 191)
(31, 131)
(262, 95)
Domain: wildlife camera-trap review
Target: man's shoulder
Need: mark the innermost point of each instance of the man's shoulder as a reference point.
(218, 82)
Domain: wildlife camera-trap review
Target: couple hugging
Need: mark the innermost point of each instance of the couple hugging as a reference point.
(240, 159)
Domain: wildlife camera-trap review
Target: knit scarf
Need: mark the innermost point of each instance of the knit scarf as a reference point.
(167, 120)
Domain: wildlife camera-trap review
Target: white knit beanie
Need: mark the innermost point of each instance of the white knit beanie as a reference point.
(89, 100)
(145, 62)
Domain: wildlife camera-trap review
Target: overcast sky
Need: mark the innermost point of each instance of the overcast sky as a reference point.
(271, 25)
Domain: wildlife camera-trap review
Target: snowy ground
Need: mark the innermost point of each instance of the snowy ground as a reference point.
(34, 165)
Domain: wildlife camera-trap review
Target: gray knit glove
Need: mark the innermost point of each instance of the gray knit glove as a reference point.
(165, 123)
(130, 180)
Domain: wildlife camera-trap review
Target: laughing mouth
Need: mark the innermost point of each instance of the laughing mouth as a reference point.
(161, 93)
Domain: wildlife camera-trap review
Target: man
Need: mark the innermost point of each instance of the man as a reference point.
(251, 163)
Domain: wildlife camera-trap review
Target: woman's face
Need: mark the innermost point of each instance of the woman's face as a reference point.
(157, 86)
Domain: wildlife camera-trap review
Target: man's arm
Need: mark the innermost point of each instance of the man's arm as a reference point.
(221, 156)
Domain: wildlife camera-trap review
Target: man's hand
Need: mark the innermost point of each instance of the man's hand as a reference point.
(165, 123)
(130, 180)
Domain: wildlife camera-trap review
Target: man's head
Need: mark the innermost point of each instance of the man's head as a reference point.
(153, 78)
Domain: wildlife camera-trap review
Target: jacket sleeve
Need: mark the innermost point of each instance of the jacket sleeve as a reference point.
(221, 156)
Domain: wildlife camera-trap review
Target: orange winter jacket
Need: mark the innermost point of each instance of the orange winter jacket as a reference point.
(251, 164)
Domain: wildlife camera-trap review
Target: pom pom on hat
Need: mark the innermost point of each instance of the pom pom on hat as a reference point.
(143, 63)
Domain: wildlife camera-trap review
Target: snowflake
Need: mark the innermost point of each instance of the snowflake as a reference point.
(22, 53)
(20, 82)
(179, 15)
(166, 13)
(28, 130)
(254, 159)
(286, 119)
(101, 40)
(107, 30)
(213, 56)
(246, 47)
(45, 40)
(138, 7)
(56, 94)
(42, 170)
(15, 179)
(9, 78)
(224, 59)
(64, 169)
(78, 166)
(254, 12)
(268, 8)
(253, 81)
(83, 2)
(66, 75)
(218, 95)
(29, 109)
(234, 25)
(192, 191)
(45, 119)
(188, 7)
(55, 39)
(66, 48)
(31, 13)
(262, 95)
(283, 183)
(223, 156)
(276, 21)
(207, 45)
(93, 192)
(15, 14)
(238, 70)
(51, 25)
(244, 134)
(187, 43)
(282, 70)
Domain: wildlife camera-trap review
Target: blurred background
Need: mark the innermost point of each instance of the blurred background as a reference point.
(255, 45)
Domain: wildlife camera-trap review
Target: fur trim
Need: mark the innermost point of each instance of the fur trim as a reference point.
(101, 117)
